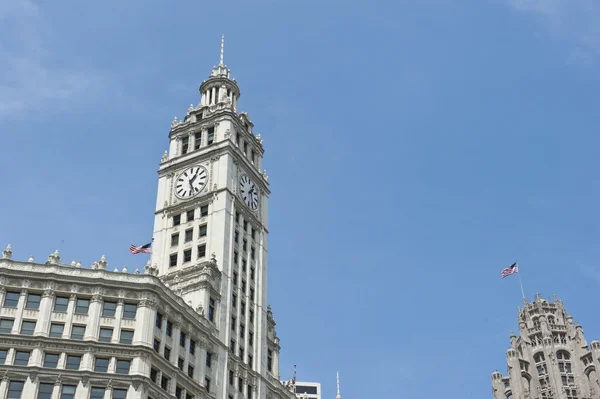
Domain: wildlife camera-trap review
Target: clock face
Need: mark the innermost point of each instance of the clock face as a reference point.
(249, 192)
(190, 182)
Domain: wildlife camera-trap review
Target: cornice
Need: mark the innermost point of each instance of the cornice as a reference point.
(216, 80)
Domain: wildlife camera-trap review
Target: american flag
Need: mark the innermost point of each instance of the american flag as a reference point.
(144, 249)
(512, 269)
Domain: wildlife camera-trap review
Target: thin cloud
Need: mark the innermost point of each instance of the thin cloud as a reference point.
(28, 81)
(574, 22)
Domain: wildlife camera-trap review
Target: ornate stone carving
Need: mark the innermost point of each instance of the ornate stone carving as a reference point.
(165, 157)
(259, 139)
(174, 123)
(102, 263)
(7, 253)
(265, 175)
(97, 298)
(53, 258)
(48, 294)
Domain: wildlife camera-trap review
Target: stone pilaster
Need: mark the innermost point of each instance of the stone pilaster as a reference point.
(93, 327)
(42, 327)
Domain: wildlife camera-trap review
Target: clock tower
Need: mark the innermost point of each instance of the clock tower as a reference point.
(210, 227)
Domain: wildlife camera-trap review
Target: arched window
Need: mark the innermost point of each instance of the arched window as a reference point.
(564, 366)
(536, 322)
(551, 320)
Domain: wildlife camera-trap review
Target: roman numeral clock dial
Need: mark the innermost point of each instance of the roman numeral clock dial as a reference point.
(190, 182)
(249, 192)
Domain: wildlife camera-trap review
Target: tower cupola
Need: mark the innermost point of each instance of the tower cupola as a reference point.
(219, 90)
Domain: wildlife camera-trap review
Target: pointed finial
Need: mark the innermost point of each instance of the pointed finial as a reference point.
(30, 259)
(7, 253)
(222, 49)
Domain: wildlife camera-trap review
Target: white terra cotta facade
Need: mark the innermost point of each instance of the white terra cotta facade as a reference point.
(196, 323)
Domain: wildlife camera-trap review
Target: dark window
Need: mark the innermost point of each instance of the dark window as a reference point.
(251, 294)
(101, 365)
(249, 392)
(83, 306)
(178, 392)
(306, 389)
(167, 353)
(245, 225)
(244, 264)
(68, 392)
(252, 156)
(109, 309)
(51, 360)
(45, 391)
(204, 210)
(172, 260)
(241, 352)
(187, 255)
(250, 338)
(105, 334)
(126, 337)
(201, 251)
(252, 273)
(33, 301)
(61, 304)
(189, 215)
(244, 244)
(185, 144)
(233, 320)
(15, 389)
(182, 339)
(237, 139)
(176, 220)
(3, 354)
(129, 310)
(251, 362)
(191, 371)
(240, 384)
(231, 377)
(243, 308)
(153, 375)
(77, 332)
(235, 257)
(243, 286)
(235, 278)
(236, 236)
(97, 393)
(253, 233)
(27, 327)
(156, 345)
(202, 229)
(242, 331)
(174, 239)
(189, 235)
(180, 363)
(251, 316)
(211, 309)
(252, 252)
(232, 346)
(158, 322)
(207, 384)
(211, 135)
(234, 300)
(270, 360)
(192, 347)
(119, 394)
(197, 137)
(169, 329)
(208, 359)
(11, 300)
(237, 217)
(123, 366)
(73, 362)
(21, 358)
(245, 148)
(164, 383)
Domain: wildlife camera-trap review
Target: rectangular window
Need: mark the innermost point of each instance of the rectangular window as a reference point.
(101, 365)
(3, 354)
(236, 236)
(51, 360)
(176, 220)
(180, 362)
(270, 360)
(61, 304)
(202, 230)
(109, 309)
(249, 392)
(129, 310)
(252, 273)
(189, 215)
(192, 347)
(235, 257)
(253, 235)
(252, 156)
(189, 235)
(167, 353)
(123, 366)
(187, 255)
(207, 384)
(245, 148)
(234, 300)
(245, 225)
(178, 392)
(185, 144)
(244, 244)
(182, 339)
(15, 389)
(21, 358)
(169, 329)
(154, 375)
(105, 335)
(252, 294)
(252, 252)
(172, 260)
(11, 300)
(83, 306)
(244, 264)
(119, 394)
(27, 327)
(241, 353)
(191, 371)
(231, 377)
(77, 332)
(243, 285)
(211, 309)
(201, 251)
(242, 332)
(164, 383)
(243, 308)
(235, 278)
(251, 316)
(73, 362)
(250, 338)
(204, 210)
(233, 322)
(211, 135)
(197, 140)
(237, 139)
(158, 321)
(126, 337)
(33, 301)
(175, 239)
(240, 384)
(237, 217)
(208, 359)
(251, 362)
(45, 391)
(157, 345)
(232, 346)
(97, 393)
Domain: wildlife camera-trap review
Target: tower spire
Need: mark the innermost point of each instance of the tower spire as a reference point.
(338, 396)
(222, 49)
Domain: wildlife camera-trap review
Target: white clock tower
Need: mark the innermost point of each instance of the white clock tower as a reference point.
(210, 228)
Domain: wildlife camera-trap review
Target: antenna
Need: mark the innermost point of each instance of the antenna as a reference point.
(222, 49)
(338, 382)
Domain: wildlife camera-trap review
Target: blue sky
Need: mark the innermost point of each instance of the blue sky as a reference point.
(414, 150)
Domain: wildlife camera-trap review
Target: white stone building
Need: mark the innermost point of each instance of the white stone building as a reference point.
(550, 358)
(195, 324)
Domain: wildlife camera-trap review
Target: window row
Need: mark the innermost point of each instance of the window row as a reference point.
(72, 362)
(57, 330)
(189, 215)
(236, 239)
(66, 391)
(242, 331)
(196, 142)
(61, 304)
(187, 255)
(247, 227)
(189, 235)
(236, 262)
(244, 146)
(241, 352)
(164, 382)
(240, 385)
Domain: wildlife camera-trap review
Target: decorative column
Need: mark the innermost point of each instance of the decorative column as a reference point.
(83, 388)
(42, 326)
(19, 313)
(2, 295)
(116, 338)
(30, 387)
(145, 318)
(93, 325)
(69, 319)
(4, 386)
(175, 349)
(36, 358)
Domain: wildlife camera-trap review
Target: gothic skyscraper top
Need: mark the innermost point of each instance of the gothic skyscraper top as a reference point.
(550, 358)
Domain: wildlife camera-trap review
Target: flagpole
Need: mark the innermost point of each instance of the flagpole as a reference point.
(520, 282)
